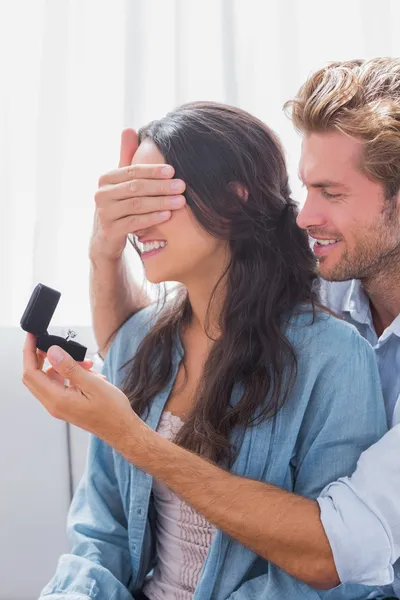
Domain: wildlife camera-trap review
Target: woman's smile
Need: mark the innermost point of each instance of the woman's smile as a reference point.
(151, 247)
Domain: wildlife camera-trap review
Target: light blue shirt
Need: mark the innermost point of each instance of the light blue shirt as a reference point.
(334, 412)
(361, 513)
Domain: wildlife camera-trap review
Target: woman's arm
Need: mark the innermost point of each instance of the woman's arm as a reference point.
(345, 415)
(99, 564)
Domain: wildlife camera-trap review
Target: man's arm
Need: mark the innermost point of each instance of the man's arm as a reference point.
(282, 527)
(361, 515)
(129, 199)
(114, 295)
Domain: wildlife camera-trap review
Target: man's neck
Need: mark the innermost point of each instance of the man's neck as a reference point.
(384, 296)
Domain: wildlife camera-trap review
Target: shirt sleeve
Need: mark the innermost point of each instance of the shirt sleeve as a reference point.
(99, 564)
(345, 414)
(361, 515)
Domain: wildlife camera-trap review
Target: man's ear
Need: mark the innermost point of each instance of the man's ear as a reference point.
(240, 190)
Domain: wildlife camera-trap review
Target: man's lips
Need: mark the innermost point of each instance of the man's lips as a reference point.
(322, 246)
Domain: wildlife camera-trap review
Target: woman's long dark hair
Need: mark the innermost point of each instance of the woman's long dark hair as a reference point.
(237, 187)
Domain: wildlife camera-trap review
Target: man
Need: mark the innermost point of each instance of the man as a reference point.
(349, 114)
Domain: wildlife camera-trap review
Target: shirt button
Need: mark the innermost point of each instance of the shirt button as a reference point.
(134, 547)
(139, 512)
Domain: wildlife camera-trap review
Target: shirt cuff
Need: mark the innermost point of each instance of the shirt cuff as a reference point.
(64, 596)
(360, 545)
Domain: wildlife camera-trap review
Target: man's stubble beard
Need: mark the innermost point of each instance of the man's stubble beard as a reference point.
(375, 255)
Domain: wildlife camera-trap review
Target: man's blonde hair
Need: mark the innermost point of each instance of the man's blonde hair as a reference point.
(360, 98)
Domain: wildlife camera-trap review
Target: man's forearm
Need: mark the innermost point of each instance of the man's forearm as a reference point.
(279, 526)
(114, 295)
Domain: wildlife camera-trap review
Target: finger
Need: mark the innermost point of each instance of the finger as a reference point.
(33, 377)
(89, 368)
(141, 206)
(138, 188)
(133, 224)
(66, 366)
(139, 171)
(41, 357)
(98, 374)
(128, 147)
(54, 376)
(29, 353)
(86, 364)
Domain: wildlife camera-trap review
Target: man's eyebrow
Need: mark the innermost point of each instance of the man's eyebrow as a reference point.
(325, 183)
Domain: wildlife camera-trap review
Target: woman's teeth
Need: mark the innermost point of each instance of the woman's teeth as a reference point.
(149, 246)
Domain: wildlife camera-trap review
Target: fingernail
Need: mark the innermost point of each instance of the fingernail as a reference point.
(56, 355)
(176, 185)
(167, 170)
(176, 201)
(164, 214)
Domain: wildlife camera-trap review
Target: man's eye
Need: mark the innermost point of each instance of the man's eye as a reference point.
(328, 195)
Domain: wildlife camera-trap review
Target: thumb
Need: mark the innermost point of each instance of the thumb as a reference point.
(129, 145)
(67, 367)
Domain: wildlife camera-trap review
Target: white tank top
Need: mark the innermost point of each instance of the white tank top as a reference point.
(183, 537)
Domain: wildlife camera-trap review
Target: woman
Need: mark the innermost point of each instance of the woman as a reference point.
(241, 365)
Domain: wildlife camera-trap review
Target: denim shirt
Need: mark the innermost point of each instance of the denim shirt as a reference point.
(361, 513)
(335, 411)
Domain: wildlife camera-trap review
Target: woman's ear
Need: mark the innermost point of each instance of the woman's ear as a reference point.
(240, 190)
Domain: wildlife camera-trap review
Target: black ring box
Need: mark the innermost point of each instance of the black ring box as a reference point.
(36, 319)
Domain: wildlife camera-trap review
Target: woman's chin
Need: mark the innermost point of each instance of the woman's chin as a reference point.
(159, 277)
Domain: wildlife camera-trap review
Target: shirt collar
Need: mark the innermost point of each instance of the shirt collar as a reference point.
(356, 304)
(393, 328)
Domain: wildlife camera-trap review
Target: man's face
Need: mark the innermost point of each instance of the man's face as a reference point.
(357, 230)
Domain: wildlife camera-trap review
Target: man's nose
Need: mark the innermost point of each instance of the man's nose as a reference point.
(311, 215)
